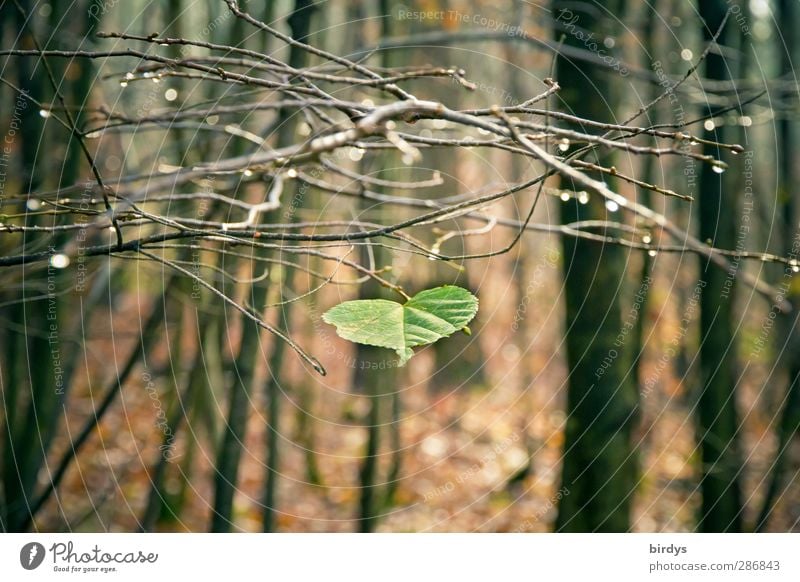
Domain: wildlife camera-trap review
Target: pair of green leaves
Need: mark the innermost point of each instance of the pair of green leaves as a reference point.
(425, 318)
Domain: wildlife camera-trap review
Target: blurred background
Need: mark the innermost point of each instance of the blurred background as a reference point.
(605, 386)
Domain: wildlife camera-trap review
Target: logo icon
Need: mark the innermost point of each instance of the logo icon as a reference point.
(31, 555)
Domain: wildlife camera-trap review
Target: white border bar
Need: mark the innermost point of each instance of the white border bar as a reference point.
(406, 557)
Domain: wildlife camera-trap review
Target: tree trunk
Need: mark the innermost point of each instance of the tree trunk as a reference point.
(718, 420)
(789, 342)
(598, 464)
(242, 388)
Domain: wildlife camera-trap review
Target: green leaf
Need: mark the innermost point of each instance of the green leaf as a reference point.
(425, 318)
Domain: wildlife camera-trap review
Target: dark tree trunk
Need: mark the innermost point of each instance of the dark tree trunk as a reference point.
(788, 345)
(242, 388)
(599, 463)
(28, 368)
(718, 420)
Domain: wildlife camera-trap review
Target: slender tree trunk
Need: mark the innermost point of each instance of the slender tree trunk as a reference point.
(638, 341)
(80, 90)
(159, 500)
(718, 419)
(598, 462)
(31, 382)
(241, 390)
(375, 382)
(789, 343)
(300, 27)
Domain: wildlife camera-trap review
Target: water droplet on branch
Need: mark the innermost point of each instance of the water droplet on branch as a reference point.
(59, 261)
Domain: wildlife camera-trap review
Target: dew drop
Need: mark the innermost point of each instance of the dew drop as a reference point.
(647, 239)
(718, 168)
(565, 196)
(583, 197)
(612, 206)
(652, 253)
(59, 261)
(44, 113)
(563, 145)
